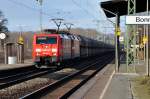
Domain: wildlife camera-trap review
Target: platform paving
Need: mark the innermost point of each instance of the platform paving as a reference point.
(120, 87)
(108, 84)
(13, 66)
(95, 86)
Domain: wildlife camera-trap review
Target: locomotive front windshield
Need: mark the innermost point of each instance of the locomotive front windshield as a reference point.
(46, 40)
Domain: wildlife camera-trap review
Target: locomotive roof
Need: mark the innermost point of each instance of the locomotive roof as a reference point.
(67, 35)
(73, 37)
(50, 31)
(64, 36)
(84, 40)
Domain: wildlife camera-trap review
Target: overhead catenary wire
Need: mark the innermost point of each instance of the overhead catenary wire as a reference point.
(29, 7)
(33, 9)
(89, 5)
(21, 4)
(85, 10)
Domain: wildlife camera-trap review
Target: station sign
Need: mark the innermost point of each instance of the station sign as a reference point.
(121, 39)
(137, 20)
(135, 46)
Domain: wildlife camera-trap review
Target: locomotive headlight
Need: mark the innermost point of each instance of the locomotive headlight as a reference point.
(38, 50)
(54, 50)
(37, 54)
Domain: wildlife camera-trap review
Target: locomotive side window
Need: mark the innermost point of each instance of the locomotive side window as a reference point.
(46, 40)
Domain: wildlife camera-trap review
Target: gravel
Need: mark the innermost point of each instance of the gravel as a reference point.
(16, 91)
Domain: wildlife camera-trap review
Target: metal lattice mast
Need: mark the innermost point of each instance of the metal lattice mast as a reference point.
(131, 36)
(147, 49)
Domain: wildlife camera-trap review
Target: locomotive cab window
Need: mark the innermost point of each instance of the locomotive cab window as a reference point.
(46, 40)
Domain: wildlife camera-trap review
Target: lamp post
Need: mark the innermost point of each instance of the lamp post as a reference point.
(117, 44)
(139, 32)
(144, 44)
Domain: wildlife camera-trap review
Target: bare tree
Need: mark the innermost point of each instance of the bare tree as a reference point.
(3, 22)
(3, 28)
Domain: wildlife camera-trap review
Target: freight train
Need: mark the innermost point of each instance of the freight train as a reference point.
(53, 48)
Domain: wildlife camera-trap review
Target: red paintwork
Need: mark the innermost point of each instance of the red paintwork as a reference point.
(46, 49)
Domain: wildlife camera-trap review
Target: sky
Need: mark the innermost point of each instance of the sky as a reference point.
(25, 14)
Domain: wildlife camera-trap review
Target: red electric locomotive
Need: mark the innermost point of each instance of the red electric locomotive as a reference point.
(56, 48)
(53, 49)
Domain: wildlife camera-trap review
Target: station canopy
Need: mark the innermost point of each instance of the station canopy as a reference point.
(120, 7)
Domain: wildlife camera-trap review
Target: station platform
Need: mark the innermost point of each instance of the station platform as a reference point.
(94, 87)
(109, 84)
(26, 63)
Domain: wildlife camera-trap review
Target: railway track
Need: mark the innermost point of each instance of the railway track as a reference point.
(7, 84)
(65, 86)
(26, 73)
(15, 75)
(18, 78)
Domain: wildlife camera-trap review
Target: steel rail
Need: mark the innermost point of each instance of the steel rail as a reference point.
(16, 75)
(70, 92)
(26, 78)
(11, 71)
